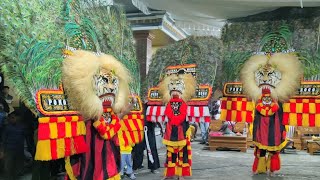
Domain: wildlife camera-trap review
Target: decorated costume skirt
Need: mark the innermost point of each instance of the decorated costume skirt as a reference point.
(269, 136)
(269, 132)
(101, 162)
(179, 159)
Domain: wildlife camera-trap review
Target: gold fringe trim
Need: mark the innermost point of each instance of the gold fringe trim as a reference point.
(271, 148)
(174, 143)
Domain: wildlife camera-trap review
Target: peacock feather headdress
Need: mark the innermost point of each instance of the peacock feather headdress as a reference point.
(34, 35)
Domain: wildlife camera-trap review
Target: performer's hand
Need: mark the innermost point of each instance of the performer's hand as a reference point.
(134, 100)
(125, 111)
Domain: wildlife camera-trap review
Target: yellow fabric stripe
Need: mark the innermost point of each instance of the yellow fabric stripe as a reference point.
(189, 156)
(180, 154)
(243, 115)
(44, 119)
(136, 137)
(73, 150)
(286, 107)
(251, 128)
(140, 124)
(113, 121)
(170, 164)
(120, 137)
(293, 119)
(130, 139)
(96, 123)
(179, 171)
(312, 108)
(61, 119)
(292, 101)
(68, 168)
(223, 114)
(317, 120)
(132, 126)
(262, 165)
(271, 148)
(60, 148)
(105, 136)
(233, 115)
(250, 106)
(181, 143)
(165, 172)
(53, 130)
(229, 105)
(305, 120)
(299, 107)
(43, 152)
(68, 129)
(81, 128)
(116, 177)
(75, 118)
(111, 131)
(305, 100)
(239, 105)
(122, 125)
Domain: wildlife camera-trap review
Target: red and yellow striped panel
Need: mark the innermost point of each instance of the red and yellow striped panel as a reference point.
(237, 109)
(60, 137)
(131, 129)
(302, 112)
(108, 130)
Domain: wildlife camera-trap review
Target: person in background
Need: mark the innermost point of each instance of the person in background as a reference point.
(204, 127)
(30, 121)
(138, 149)
(3, 115)
(137, 155)
(214, 104)
(7, 97)
(227, 128)
(194, 131)
(126, 161)
(13, 145)
(155, 164)
(153, 161)
(5, 105)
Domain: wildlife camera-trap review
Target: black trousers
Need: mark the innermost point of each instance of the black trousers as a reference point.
(153, 146)
(137, 155)
(13, 161)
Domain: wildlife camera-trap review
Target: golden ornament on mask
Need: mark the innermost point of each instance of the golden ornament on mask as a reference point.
(67, 52)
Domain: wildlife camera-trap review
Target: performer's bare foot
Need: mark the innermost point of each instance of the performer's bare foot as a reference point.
(164, 178)
(181, 178)
(254, 173)
(271, 174)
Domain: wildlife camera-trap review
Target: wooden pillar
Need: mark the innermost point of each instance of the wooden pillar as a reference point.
(144, 51)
